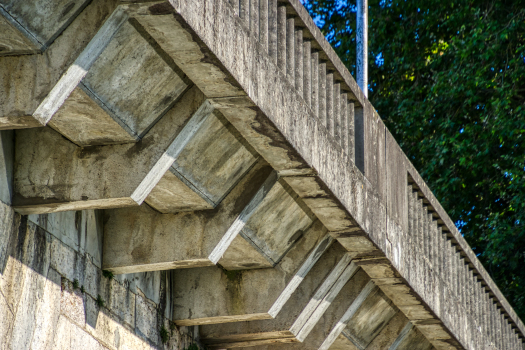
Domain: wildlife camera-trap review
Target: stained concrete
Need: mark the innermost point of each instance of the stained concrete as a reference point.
(13, 42)
(364, 196)
(327, 310)
(121, 174)
(127, 70)
(49, 293)
(247, 294)
(361, 186)
(138, 237)
(28, 79)
(142, 240)
(6, 159)
(41, 22)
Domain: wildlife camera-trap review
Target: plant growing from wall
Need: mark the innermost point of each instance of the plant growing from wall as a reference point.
(99, 301)
(164, 335)
(108, 274)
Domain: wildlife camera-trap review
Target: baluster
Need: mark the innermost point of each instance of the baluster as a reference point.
(299, 61)
(254, 18)
(272, 29)
(244, 11)
(337, 114)
(307, 72)
(315, 84)
(350, 127)
(263, 24)
(281, 38)
(290, 49)
(329, 123)
(322, 93)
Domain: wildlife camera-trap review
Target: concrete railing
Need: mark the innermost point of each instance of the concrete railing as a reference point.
(293, 48)
(289, 36)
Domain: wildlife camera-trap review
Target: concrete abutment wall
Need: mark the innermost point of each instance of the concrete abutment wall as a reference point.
(54, 295)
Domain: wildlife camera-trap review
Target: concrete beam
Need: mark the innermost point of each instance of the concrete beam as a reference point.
(248, 294)
(196, 161)
(100, 98)
(255, 226)
(120, 66)
(317, 304)
(32, 26)
(53, 174)
(364, 319)
(28, 79)
(410, 339)
(382, 341)
(212, 161)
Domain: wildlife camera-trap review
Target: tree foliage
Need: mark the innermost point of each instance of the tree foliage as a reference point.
(448, 78)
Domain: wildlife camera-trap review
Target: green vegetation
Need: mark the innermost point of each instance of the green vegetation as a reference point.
(100, 302)
(108, 274)
(164, 335)
(448, 79)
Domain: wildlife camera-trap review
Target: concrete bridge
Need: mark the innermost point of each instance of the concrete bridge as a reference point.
(208, 171)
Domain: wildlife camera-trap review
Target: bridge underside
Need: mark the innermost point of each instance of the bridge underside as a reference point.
(226, 143)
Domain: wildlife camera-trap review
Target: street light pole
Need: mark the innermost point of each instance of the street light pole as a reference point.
(362, 45)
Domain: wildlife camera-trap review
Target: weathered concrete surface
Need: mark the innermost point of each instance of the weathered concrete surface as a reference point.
(308, 316)
(7, 154)
(384, 340)
(85, 123)
(366, 198)
(207, 166)
(140, 239)
(27, 79)
(212, 159)
(215, 159)
(49, 292)
(253, 97)
(39, 22)
(232, 235)
(126, 71)
(366, 317)
(110, 174)
(13, 42)
(231, 296)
